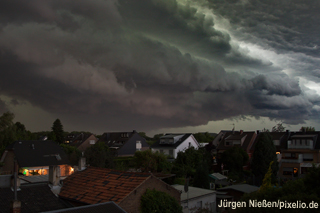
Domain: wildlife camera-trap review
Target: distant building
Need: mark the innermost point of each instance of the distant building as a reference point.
(172, 144)
(302, 151)
(197, 199)
(124, 143)
(81, 141)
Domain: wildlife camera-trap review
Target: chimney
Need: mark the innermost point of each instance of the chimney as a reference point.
(258, 131)
(54, 175)
(15, 206)
(82, 163)
(241, 131)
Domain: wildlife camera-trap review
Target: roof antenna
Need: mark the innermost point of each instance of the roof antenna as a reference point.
(233, 128)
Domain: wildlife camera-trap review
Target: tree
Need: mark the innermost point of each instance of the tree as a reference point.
(151, 161)
(57, 130)
(201, 177)
(307, 129)
(266, 183)
(304, 190)
(99, 155)
(157, 201)
(7, 130)
(186, 163)
(73, 153)
(6, 120)
(278, 127)
(264, 153)
(203, 137)
(234, 159)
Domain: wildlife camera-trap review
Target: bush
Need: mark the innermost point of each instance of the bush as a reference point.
(156, 201)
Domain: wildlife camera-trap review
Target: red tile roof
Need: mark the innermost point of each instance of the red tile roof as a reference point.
(98, 185)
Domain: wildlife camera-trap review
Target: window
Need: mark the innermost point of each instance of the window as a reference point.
(307, 157)
(212, 185)
(92, 141)
(171, 153)
(138, 145)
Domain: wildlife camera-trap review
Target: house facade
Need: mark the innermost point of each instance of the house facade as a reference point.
(124, 143)
(303, 150)
(172, 144)
(197, 199)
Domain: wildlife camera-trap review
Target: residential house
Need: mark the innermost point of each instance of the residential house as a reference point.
(172, 144)
(81, 141)
(228, 139)
(37, 158)
(98, 185)
(124, 143)
(196, 199)
(220, 136)
(303, 150)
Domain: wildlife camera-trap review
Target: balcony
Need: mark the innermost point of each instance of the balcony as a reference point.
(300, 146)
(298, 159)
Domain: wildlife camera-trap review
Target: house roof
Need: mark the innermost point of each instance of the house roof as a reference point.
(78, 139)
(218, 176)
(236, 135)
(98, 185)
(116, 139)
(93, 208)
(245, 188)
(193, 192)
(33, 197)
(38, 153)
(174, 145)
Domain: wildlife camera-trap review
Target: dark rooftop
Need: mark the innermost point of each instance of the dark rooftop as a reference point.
(38, 153)
(174, 145)
(33, 197)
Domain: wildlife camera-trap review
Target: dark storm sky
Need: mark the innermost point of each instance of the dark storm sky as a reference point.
(108, 65)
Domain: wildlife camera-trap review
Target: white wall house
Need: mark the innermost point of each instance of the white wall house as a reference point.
(197, 199)
(172, 144)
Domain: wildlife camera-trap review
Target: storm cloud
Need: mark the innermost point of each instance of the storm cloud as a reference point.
(151, 64)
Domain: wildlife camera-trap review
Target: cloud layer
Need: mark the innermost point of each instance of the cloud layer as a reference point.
(161, 63)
